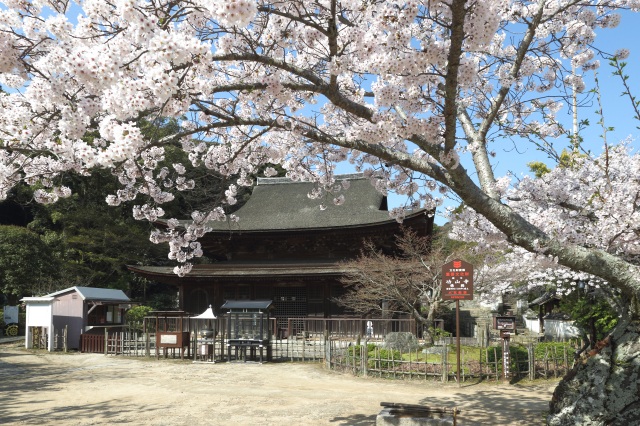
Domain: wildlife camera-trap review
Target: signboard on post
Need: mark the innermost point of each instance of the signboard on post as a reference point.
(507, 326)
(457, 284)
(457, 280)
(505, 323)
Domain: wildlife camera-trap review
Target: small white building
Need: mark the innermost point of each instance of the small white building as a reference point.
(39, 319)
(76, 309)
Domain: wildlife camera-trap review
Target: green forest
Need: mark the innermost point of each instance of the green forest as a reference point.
(82, 241)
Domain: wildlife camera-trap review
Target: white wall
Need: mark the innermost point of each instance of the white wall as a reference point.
(532, 324)
(560, 329)
(39, 314)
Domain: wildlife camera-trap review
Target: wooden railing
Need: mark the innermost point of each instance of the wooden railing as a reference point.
(92, 343)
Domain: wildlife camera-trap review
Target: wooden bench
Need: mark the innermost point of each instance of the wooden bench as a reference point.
(415, 414)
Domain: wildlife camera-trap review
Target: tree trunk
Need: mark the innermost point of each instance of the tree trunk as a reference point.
(429, 335)
(604, 386)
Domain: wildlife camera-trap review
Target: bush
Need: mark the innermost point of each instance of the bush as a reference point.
(548, 348)
(438, 333)
(135, 316)
(383, 358)
(513, 349)
(357, 350)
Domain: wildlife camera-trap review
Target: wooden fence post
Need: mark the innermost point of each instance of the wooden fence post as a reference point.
(106, 341)
(393, 362)
(532, 361)
(495, 359)
(364, 360)
(64, 338)
(546, 362)
(327, 346)
(445, 363)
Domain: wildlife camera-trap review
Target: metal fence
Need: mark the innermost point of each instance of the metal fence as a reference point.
(300, 339)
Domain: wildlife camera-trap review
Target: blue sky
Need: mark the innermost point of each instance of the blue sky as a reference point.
(617, 109)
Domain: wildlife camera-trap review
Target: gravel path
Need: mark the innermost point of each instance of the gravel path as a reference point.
(89, 389)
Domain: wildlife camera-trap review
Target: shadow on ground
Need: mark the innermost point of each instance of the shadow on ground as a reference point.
(356, 420)
(485, 407)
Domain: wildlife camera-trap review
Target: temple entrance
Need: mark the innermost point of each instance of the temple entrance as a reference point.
(290, 302)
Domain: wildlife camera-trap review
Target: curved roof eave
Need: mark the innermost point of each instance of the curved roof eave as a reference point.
(362, 225)
(234, 228)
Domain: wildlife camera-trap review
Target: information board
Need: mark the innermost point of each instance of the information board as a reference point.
(10, 315)
(168, 339)
(457, 280)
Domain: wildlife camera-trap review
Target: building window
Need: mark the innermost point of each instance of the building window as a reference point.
(105, 314)
(114, 315)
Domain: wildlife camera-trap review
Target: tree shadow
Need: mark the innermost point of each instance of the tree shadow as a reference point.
(356, 420)
(480, 408)
(21, 385)
(485, 407)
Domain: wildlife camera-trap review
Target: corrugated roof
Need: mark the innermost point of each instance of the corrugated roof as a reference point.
(94, 293)
(279, 204)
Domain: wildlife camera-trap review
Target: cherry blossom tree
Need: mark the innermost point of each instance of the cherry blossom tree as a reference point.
(409, 280)
(416, 94)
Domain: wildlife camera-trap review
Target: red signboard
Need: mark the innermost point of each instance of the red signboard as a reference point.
(457, 280)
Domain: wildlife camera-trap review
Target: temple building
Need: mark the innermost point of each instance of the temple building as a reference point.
(287, 249)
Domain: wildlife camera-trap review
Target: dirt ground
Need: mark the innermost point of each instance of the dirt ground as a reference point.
(37, 387)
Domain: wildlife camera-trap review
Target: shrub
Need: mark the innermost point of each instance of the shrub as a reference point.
(438, 333)
(548, 348)
(135, 316)
(383, 358)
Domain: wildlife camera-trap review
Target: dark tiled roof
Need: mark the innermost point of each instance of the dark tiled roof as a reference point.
(544, 299)
(280, 204)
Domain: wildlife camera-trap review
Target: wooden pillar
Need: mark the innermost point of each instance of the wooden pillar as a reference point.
(217, 295)
(181, 297)
(326, 305)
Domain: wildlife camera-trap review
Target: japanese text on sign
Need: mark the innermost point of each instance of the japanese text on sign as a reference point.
(457, 280)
